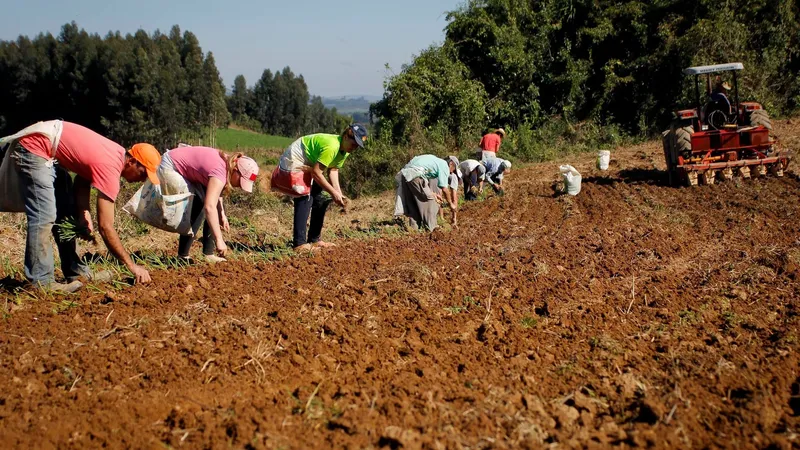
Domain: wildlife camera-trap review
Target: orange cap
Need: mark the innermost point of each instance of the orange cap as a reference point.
(149, 157)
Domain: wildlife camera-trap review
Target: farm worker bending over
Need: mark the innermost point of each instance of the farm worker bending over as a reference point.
(453, 181)
(495, 169)
(313, 154)
(415, 199)
(44, 153)
(490, 144)
(474, 174)
(209, 174)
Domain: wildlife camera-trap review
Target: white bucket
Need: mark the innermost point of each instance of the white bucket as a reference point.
(603, 158)
(572, 179)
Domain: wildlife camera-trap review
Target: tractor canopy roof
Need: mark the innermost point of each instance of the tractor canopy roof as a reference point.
(700, 70)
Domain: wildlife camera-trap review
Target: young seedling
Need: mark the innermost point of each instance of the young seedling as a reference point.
(68, 230)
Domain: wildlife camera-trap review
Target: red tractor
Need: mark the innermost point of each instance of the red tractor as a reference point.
(721, 135)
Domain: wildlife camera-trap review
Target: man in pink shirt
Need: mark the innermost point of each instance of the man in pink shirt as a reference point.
(42, 161)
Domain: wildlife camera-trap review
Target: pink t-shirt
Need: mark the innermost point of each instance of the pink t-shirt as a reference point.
(91, 156)
(491, 142)
(198, 164)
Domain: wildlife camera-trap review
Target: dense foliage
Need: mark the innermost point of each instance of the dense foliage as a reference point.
(279, 104)
(525, 64)
(133, 88)
(157, 88)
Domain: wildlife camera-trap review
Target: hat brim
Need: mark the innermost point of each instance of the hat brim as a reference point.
(153, 177)
(246, 185)
(358, 140)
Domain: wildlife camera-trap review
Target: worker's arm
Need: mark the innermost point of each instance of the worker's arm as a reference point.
(82, 190)
(319, 177)
(449, 195)
(333, 174)
(105, 223)
(211, 205)
(223, 218)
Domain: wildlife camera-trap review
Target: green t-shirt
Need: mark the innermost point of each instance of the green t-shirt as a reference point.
(324, 149)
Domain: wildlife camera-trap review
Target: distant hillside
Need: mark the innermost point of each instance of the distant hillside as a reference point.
(350, 104)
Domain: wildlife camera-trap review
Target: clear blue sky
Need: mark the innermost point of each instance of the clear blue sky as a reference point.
(339, 47)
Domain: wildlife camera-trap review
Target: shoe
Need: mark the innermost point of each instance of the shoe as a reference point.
(323, 244)
(303, 248)
(188, 260)
(103, 276)
(62, 288)
(213, 259)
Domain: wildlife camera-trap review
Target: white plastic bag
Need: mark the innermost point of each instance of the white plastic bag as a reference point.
(167, 212)
(572, 179)
(603, 158)
(11, 199)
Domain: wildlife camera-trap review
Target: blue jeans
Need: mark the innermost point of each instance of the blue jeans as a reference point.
(49, 197)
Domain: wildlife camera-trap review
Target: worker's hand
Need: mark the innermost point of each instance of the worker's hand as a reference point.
(222, 249)
(140, 274)
(339, 199)
(438, 198)
(85, 222)
(226, 226)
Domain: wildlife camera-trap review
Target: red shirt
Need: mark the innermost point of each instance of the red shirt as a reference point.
(86, 153)
(491, 142)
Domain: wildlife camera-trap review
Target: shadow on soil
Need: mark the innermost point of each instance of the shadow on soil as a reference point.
(653, 177)
(11, 285)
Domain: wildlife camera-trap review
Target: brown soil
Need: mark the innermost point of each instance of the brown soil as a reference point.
(633, 314)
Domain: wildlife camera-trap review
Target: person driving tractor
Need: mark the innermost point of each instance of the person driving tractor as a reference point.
(720, 94)
(718, 110)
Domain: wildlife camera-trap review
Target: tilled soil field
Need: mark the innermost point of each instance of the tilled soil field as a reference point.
(632, 315)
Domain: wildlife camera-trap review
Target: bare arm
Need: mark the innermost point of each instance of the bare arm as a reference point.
(334, 176)
(211, 205)
(223, 218)
(105, 220)
(449, 195)
(319, 177)
(83, 189)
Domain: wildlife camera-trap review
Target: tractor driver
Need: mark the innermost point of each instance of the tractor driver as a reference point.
(720, 95)
(718, 111)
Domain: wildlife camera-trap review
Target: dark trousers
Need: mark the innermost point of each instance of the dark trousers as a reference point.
(209, 243)
(315, 205)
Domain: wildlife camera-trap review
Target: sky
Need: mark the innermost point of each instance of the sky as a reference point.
(341, 48)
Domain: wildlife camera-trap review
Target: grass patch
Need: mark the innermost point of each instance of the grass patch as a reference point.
(229, 139)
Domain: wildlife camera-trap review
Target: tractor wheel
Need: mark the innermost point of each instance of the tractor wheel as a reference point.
(760, 117)
(683, 141)
(677, 142)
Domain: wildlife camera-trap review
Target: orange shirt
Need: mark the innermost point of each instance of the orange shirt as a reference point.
(491, 142)
(86, 153)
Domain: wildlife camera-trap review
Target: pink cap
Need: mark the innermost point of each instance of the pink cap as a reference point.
(248, 168)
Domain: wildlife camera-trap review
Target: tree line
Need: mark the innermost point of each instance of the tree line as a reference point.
(133, 88)
(279, 104)
(157, 88)
(522, 65)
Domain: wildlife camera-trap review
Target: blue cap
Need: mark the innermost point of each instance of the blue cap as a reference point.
(359, 133)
